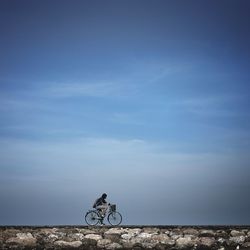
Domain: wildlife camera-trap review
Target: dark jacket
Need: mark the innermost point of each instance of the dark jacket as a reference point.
(100, 201)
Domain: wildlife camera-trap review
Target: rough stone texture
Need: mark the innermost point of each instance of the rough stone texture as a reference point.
(191, 231)
(235, 233)
(22, 239)
(207, 242)
(159, 238)
(237, 239)
(93, 237)
(207, 233)
(114, 246)
(185, 242)
(72, 244)
(103, 243)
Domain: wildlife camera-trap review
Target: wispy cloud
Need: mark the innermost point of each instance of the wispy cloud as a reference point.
(131, 118)
(212, 105)
(24, 101)
(105, 152)
(96, 89)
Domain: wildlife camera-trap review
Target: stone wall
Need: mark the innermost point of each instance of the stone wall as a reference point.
(157, 237)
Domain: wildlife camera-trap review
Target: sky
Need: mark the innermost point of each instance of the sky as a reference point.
(147, 101)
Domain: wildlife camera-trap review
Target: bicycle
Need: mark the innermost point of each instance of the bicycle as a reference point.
(93, 217)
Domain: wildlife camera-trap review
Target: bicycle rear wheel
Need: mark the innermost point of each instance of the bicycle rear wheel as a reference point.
(115, 218)
(92, 218)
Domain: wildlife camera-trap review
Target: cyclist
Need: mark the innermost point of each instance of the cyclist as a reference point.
(101, 205)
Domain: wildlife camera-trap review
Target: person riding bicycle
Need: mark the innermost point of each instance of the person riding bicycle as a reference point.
(101, 205)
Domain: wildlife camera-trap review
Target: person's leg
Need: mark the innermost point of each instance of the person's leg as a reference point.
(103, 208)
(102, 211)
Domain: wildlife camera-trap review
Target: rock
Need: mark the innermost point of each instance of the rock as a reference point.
(67, 230)
(169, 243)
(207, 233)
(131, 233)
(247, 239)
(24, 236)
(235, 233)
(113, 237)
(207, 242)
(222, 234)
(184, 242)
(246, 245)
(60, 234)
(144, 236)
(134, 231)
(161, 246)
(148, 245)
(176, 231)
(95, 237)
(136, 240)
(11, 232)
(137, 246)
(76, 236)
(89, 243)
(167, 232)
(126, 236)
(163, 239)
(103, 243)
(158, 238)
(48, 231)
(119, 231)
(221, 241)
(22, 239)
(86, 231)
(114, 246)
(190, 231)
(237, 239)
(151, 230)
(176, 237)
(53, 237)
(127, 244)
(176, 234)
(73, 244)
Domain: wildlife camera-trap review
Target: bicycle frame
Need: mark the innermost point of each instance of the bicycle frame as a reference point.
(111, 215)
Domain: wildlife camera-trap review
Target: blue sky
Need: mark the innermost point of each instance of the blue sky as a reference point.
(145, 100)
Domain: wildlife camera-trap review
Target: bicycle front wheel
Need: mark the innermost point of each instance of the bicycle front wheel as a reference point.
(115, 218)
(92, 218)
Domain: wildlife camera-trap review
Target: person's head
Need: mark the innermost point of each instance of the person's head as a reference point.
(104, 196)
